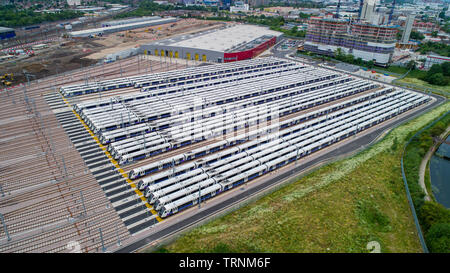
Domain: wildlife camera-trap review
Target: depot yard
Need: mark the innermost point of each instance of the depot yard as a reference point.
(148, 145)
(54, 198)
(148, 136)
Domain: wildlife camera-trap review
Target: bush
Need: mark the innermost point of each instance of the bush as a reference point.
(438, 79)
(417, 35)
(438, 74)
(446, 68)
(370, 215)
(439, 48)
(438, 238)
(222, 248)
(432, 213)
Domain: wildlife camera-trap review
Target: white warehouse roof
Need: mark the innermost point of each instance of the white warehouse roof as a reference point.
(95, 31)
(130, 21)
(221, 40)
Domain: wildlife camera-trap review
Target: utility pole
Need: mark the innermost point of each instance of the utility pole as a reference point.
(5, 227)
(64, 165)
(199, 197)
(82, 202)
(173, 167)
(139, 66)
(101, 239)
(145, 143)
(117, 233)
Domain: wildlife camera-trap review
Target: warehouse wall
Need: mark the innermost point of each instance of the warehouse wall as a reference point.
(182, 53)
(208, 55)
(248, 54)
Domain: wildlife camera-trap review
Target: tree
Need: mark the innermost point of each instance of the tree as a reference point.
(431, 213)
(435, 68)
(434, 34)
(438, 79)
(349, 58)
(438, 238)
(339, 54)
(411, 65)
(446, 68)
(417, 35)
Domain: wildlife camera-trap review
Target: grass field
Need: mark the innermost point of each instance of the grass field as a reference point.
(338, 208)
(424, 84)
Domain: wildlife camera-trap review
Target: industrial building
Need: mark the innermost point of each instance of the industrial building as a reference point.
(228, 44)
(435, 59)
(427, 27)
(6, 33)
(117, 28)
(363, 40)
(129, 21)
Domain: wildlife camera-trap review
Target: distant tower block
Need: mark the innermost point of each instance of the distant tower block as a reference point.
(408, 27)
(368, 10)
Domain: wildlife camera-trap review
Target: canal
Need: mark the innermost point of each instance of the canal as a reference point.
(440, 174)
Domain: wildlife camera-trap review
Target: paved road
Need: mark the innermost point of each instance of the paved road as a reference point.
(281, 178)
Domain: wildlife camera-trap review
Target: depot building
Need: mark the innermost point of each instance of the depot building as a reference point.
(227, 44)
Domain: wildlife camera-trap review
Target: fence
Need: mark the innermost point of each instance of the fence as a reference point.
(408, 194)
(421, 88)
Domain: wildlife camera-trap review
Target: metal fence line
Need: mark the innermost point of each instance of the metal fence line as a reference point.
(405, 181)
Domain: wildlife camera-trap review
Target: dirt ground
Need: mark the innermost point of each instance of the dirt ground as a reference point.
(134, 38)
(67, 54)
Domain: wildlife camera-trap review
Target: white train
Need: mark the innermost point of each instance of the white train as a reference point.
(364, 120)
(148, 169)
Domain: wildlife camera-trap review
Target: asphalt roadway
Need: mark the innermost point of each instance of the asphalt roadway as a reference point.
(346, 148)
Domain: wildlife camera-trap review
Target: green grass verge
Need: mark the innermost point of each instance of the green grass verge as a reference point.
(340, 207)
(424, 84)
(397, 69)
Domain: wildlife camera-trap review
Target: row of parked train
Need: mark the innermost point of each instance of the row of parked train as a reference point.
(228, 173)
(180, 135)
(168, 78)
(150, 109)
(203, 110)
(252, 125)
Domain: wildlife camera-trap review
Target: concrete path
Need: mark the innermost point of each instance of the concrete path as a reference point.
(423, 165)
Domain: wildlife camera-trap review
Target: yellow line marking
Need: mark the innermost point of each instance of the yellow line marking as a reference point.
(114, 162)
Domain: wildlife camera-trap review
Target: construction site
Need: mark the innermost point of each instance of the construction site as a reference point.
(371, 36)
(66, 54)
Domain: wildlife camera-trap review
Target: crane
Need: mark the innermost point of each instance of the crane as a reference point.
(391, 12)
(337, 9)
(361, 4)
